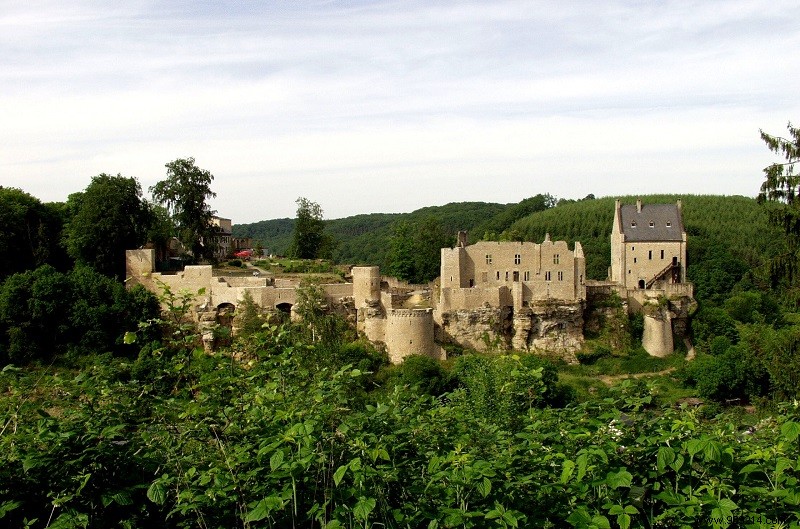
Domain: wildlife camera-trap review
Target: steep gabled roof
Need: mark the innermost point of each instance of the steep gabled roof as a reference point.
(655, 222)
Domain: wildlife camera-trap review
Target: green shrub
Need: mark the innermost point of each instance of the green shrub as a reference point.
(235, 263)
(736, 374)
(590, 357)
(422, 373)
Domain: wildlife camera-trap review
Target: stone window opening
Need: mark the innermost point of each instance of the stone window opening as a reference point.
(662, 254)
(652, 224)
(488, 258)
(547, 276)
(669, 224)
(633, 224)
(650, 254)
(517, 259)
(555, 259)
(561, 276)
(634, 260)
(515, 275)
(498, 275)
(506, 275)
(526, 276)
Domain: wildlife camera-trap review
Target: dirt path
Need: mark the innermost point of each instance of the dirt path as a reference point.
(611, 379)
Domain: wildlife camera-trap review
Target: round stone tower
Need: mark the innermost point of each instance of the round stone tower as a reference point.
(366, 285)
(409, 331)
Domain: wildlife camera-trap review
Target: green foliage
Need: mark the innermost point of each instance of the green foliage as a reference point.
(500, 223)
(108, 217)
(31, 233)
(781, 188)
(423, 374)
(498, 389)
(590, 357)
(415, 251)
(734, 374)
(185, 193)
(754, 307)
(273, 444)
(710, 322)
(309, 240)
(44, 313)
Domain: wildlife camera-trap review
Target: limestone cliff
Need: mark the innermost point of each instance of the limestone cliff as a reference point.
(483, 329)
(552, 328)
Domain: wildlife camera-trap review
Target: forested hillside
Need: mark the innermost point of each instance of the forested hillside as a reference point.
(364, 239)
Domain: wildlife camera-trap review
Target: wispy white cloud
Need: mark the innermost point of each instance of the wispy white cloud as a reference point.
(389, 106)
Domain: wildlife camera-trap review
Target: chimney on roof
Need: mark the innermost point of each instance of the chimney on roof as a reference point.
(680, 206)
(546, 237)
(638, 205)
(462, 239)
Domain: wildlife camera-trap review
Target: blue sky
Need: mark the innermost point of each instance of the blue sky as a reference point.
(390, 106)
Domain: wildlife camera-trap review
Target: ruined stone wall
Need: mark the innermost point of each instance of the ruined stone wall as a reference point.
(474, 298)
(546, 271)
(366, 284)
(139, 264)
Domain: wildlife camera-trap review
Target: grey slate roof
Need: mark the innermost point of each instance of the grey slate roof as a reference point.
(659, 214)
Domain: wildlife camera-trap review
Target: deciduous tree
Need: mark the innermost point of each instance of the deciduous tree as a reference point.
(30, 232)
(109, 217)
(415, 251)
(185, 193)
(308, 240)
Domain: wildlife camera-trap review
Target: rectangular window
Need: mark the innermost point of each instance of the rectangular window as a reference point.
(634, 260)
(498, 275)
(517, 259)
(561, 276)
(649, 254)
(488, 258)
(547, 276)
(662, 254)
(516, 276)
(506, 275)
(526, 276)
(555, 259)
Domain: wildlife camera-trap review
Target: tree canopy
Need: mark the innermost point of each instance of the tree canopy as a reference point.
(308, 239)
(415, 250)
(185, 193)
(109, 217)
(30, 233)
(782, 187)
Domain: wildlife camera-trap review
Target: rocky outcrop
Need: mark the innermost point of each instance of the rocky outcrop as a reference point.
(483, 329)
(549, 328)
